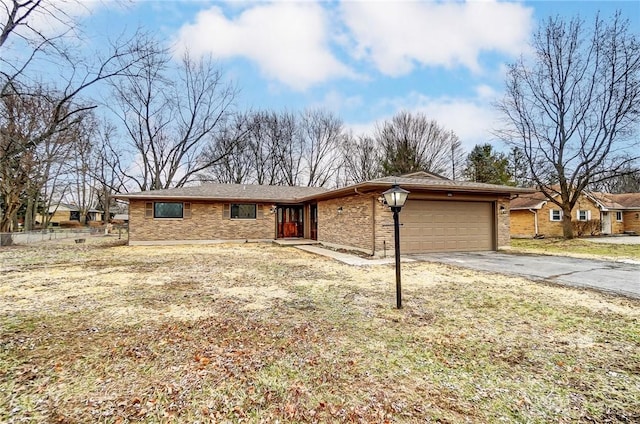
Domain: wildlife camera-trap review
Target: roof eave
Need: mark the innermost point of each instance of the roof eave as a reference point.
(207, 198)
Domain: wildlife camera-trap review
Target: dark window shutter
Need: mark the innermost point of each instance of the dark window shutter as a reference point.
(148, 210)
(186, 211)
(226, 211)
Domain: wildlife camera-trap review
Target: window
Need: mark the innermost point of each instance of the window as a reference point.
(243, 211)
(555, 215)
(619, 216)
(168, 209)
(583, 215)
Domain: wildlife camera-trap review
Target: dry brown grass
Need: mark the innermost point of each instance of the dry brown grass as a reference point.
(256, 333)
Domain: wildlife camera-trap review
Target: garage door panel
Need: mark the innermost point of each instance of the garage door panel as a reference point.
(431, 226)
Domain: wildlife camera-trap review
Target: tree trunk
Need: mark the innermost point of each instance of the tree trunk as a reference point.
(29, 214)
(567, 225)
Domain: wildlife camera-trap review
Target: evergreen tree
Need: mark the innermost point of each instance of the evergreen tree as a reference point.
(484, 165)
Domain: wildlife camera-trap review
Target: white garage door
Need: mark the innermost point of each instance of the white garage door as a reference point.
(446, 226)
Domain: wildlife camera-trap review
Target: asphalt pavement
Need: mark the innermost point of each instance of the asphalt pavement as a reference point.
(613, 277)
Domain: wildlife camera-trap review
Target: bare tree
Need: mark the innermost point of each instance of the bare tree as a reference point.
(25, 49)
(169, 121)
(628, 182)
(84, 187)
(25, 175)
(231, 153)
(362, 161)
(282, 130)
(457, 159)
(573, 108)
(321, 133)
(412, 143)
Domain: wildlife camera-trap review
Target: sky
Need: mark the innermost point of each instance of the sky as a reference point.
(362, 60)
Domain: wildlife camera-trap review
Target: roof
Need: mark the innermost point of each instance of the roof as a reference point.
(66, 207)
(529, 201)
(226, 192)
(605, 201)
(288, 194)
(618, 201)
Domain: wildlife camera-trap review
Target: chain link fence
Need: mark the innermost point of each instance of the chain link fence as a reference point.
(28, 237)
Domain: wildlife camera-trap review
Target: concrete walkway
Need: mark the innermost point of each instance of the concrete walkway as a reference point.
(348, 258)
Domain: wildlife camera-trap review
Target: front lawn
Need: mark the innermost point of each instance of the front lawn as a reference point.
(576, 247)
(257, 333)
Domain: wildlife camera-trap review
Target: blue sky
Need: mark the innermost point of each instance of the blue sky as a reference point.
(363, 60)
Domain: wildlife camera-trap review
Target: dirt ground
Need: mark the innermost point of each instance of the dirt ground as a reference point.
(103, 332)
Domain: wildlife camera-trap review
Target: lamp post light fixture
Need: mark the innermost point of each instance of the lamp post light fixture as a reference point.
(395, 198)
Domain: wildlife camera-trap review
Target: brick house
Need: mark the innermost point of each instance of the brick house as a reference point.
(534, 214)
(68, 212)
(440, 215)
(619, 212)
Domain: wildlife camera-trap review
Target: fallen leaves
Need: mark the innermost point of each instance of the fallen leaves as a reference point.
(327, 346)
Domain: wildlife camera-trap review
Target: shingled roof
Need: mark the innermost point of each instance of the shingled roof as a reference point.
(529, 201)
(229, 192)
(419, 181)
(618, 201)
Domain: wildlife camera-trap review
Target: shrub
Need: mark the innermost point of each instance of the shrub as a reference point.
(70, 224)
(591, 227)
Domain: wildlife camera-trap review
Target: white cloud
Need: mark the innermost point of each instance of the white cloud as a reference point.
(288, 41)
(337, 102)
(398, 36)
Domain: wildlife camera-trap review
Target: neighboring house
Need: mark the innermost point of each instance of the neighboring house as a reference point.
(124, 217)
(536, 215)
(620, 213)
(67, 212)
(440, 214)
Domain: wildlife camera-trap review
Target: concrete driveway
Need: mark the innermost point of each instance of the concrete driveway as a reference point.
(614, 277)
(614, 239)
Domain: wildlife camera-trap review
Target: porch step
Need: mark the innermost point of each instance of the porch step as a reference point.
(294, 242)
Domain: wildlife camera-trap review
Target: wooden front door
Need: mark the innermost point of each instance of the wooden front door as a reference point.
(290, 222)
(313, 218)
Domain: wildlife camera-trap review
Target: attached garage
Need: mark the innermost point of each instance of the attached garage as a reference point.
(447, 226)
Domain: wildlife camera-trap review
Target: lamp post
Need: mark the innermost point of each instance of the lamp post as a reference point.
(395, 198)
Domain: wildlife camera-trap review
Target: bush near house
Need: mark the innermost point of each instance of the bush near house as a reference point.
(70, 224)
(591, 227)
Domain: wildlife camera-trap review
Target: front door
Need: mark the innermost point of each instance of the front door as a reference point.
(606, 223)
(290, 222)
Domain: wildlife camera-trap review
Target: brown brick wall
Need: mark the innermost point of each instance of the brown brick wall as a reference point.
(617, 227)
(631, 221)
(385, 240)
(522, 223)
(206, 223)
(504, 223)
(352, 226)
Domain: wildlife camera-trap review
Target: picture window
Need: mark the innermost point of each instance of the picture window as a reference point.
(243, 211)
(168, 210)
